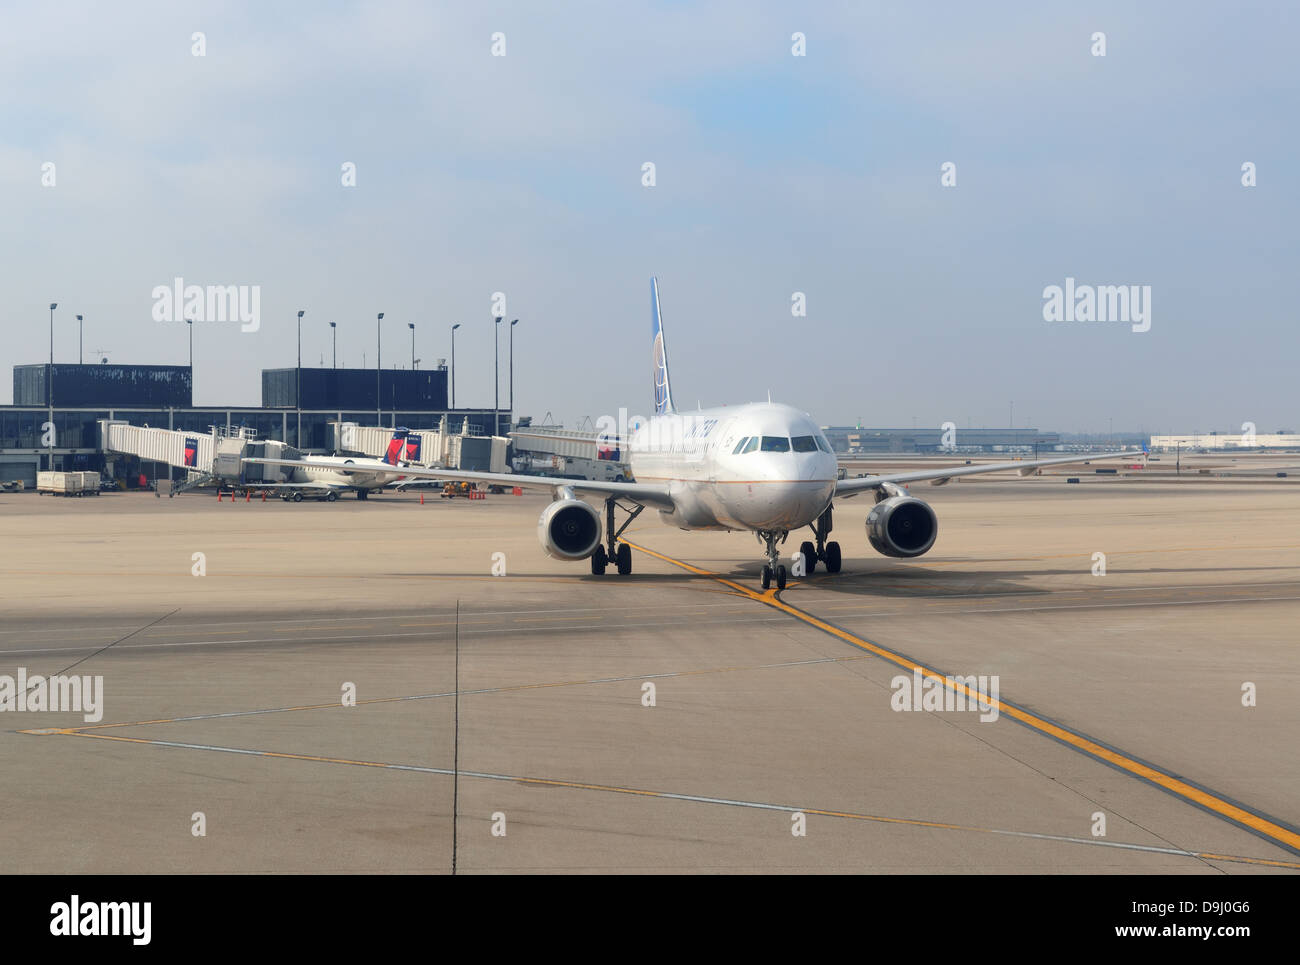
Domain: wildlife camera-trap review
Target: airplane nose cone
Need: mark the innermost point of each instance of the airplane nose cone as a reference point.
(788, 503)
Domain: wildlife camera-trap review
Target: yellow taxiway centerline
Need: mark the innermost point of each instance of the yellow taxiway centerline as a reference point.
(1283, 836)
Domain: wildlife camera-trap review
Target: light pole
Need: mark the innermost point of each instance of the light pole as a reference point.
(411, 326)
(334, 333)
(453, 364)
(80, 331)
(496, 376)
(512, 368)
(297, 393)
(379, 344)
(49, 382)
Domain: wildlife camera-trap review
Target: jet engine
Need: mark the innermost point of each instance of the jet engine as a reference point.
(902, 526)
(569, 529)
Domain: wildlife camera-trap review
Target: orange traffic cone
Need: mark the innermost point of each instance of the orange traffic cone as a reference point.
(218, 495)
(421, 499)
(263, 495)
(248, 494)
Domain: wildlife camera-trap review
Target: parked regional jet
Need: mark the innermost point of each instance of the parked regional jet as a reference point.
(336, 474)
(762, 467)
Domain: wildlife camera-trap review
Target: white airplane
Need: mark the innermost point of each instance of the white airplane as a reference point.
(332, 475)
(762, 467)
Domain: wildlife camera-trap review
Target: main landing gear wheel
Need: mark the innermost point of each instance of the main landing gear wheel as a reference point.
(780, 577)
(613, 552)
(809, 557)
(297, 497)
(828, 553)
(331, 496)
(362, 494)
(832, 557)
(765, 576)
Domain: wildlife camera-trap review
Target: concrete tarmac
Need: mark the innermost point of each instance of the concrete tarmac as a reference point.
(223, 692)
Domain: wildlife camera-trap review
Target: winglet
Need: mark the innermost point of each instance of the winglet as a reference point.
(663, 391)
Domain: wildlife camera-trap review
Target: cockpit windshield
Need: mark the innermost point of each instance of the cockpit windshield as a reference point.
(781, 444)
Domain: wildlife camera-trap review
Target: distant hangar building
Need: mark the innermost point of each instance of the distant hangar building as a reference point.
(854, 439)
(1220, 441)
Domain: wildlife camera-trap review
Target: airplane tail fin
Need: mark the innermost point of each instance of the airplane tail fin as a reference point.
(413, 442)
(663, 391)
(396, 445)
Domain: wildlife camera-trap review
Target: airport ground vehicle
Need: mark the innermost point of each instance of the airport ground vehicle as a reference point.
(298, 495)
(68, 483)
(453, 489)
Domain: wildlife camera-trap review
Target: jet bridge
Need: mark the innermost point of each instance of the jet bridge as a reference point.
(212, 459)
(439, 448)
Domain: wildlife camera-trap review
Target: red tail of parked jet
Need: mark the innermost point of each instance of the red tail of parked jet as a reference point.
(396, 445)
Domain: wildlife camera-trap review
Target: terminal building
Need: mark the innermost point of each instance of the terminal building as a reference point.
(54, 423)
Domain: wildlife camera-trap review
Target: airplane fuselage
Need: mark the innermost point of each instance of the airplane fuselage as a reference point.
(760, 466)
(356, 478)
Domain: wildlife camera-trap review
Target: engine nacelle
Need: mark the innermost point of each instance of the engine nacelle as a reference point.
(569, 529)
(902, 526)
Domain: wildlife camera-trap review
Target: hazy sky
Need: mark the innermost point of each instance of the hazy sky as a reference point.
(775, 174)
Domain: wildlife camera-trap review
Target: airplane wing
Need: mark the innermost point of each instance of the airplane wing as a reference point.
(293, 485)
(648, 493)
(847, 488)
(610, 439)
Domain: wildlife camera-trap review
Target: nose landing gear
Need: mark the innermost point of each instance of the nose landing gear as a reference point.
(773, 570)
